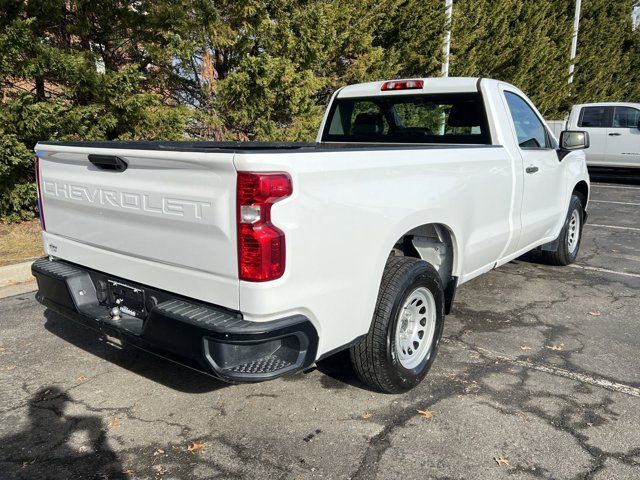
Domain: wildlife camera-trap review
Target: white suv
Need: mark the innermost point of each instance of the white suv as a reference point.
(614, 131)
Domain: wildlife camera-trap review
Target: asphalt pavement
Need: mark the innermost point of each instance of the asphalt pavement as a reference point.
(538, 377)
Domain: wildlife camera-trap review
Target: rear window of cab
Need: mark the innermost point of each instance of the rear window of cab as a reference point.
(420, 118)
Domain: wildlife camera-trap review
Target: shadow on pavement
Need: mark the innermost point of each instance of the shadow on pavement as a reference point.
(337, 368)
(56, 445)
(142, 363)
(338, 372)
(619, 176)
(534, 256)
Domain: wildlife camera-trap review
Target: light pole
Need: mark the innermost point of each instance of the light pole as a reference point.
(574, 39)
(448, 5)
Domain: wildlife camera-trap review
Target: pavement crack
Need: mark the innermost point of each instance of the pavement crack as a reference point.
(25, 388)
(381, 442)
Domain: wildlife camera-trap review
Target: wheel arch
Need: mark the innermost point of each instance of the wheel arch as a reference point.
(433, 242)
(582, 189)
(437, 244)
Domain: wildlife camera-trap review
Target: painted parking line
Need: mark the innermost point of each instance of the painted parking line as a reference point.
(605, 270)
(615, 227)
(612, 201)
(551, 369)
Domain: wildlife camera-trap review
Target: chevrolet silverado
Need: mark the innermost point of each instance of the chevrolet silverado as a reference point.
(249, 261)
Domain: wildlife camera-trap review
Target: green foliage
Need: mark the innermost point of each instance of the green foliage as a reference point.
(265, 69)
(412, 35)
(52, 89)
(266, 96)
(634, 69)
(18, 200)
(526, 43)
(608, 53)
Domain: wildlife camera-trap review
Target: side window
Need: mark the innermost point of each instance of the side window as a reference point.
(593, 117)
(625, 117)
(529, 128)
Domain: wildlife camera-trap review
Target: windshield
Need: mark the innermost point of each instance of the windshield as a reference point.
(450, 118)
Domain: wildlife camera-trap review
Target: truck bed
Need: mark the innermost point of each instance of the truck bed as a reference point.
(170, 217)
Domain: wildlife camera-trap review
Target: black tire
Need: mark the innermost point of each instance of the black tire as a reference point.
(563, 255)
(375, 359)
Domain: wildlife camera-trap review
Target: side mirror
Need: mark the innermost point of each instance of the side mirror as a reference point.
(638, 126)
(574, 140)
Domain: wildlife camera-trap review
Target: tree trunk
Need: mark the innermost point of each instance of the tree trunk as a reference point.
(40, 94)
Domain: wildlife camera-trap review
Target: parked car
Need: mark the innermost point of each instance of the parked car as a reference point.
(249, 261)
(614, 130)
(557, 126)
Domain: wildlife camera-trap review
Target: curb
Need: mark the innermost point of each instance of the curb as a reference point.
(18, 289)
(16, 273)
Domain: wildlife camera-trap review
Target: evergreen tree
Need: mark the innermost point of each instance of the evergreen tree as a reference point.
(412, 35)
(52, 86)
(526, 43)
(277, 62)
(265, 69)
(607, 60)
(284, 59)
(634, 64)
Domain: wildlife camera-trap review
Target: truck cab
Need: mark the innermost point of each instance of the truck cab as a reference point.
(614, 131)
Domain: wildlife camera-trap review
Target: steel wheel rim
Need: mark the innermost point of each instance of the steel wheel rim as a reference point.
(415, 328)
(573, 231)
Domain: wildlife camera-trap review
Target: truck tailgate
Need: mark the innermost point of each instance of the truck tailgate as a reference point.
(167, 220)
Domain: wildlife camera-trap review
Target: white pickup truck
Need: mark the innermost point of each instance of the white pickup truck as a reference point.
(614, 130)
(249, 261)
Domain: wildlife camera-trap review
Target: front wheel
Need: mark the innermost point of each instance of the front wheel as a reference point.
(406, 328)
(568, 243)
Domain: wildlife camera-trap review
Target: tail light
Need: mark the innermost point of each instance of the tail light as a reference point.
(39, 189)
(261, 245)
(402, 85)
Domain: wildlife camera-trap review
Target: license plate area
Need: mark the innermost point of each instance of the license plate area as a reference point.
(129, 299)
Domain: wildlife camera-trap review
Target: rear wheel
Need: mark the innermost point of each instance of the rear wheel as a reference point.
(407, 326)
(568, 245)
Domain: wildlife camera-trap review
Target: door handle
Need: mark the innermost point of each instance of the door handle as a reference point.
(615, 134)
(531, 169)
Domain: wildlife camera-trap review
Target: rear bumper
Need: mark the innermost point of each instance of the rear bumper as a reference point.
(205, 337)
